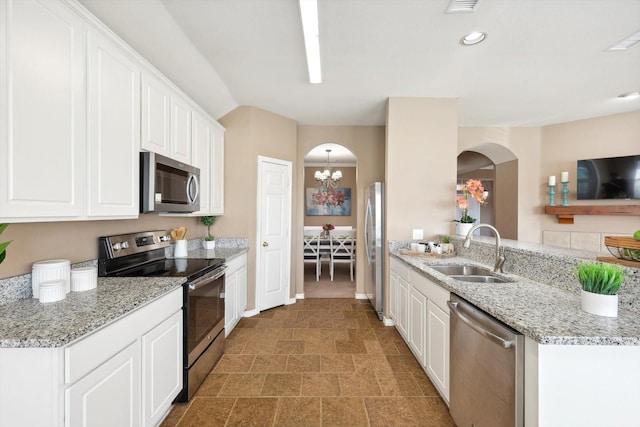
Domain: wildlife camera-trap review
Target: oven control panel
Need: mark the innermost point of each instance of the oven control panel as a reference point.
(120, 245)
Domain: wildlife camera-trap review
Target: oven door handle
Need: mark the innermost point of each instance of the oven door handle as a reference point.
(216, 274)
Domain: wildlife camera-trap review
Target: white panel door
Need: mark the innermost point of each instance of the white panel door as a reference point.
(42, 110)
(109, 395)
(162, 362)
(180, 129)
(114, 129)
(202, 148)
(156, 115)
(274, 231)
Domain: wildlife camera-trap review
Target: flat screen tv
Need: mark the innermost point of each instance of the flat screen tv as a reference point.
(609, 178)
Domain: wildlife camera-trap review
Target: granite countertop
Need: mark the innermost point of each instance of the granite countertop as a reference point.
(226, 253)
(29, 323)
(542, 312)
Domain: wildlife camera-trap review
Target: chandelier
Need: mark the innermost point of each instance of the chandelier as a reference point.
(326, 178)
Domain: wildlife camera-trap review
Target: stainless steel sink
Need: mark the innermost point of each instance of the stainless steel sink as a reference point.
(469, 273)
(478, 279)
(462, 270)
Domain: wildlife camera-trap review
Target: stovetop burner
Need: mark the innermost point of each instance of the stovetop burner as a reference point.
(143, 255)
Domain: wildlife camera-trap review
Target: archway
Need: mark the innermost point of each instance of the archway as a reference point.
(497, 167)
(341, 213)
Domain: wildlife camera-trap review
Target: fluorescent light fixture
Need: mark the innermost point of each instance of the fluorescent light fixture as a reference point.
(629, 95)
(626, 43)
(473, 38)
(309, 14)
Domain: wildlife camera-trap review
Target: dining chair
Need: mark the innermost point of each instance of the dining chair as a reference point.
(342, 250)
(311, 251)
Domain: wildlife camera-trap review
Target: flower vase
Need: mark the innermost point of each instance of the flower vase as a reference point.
(324, 234)
(599, 304)
(462, 228)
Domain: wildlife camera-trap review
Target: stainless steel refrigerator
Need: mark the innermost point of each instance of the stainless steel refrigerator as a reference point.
(374, 241)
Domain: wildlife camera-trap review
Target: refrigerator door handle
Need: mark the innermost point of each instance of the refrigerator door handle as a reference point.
(367, 232)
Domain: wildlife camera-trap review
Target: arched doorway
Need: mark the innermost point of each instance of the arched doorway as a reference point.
(497, 168)
(341, 212)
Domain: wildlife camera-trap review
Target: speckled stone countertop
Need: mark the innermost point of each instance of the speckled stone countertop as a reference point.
(225, 253)
(544, 313)
(29, 323)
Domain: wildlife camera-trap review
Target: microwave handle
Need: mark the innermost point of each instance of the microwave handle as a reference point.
(192, 183)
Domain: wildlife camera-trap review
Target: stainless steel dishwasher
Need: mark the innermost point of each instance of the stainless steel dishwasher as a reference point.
(487, 369)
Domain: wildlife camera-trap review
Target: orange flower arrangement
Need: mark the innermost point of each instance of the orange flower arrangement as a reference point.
(475, 189)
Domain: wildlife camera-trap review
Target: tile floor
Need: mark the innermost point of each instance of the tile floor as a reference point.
(319, 362)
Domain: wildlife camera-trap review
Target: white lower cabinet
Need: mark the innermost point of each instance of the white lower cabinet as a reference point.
(235, 284)
(108, 395)
(419, 307)
(125, 374)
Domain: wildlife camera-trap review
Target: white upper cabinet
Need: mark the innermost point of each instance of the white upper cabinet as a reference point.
(113, 87)
(156, 115)
(202, 148)
(42, 111)
(180, 130)
(217, 171)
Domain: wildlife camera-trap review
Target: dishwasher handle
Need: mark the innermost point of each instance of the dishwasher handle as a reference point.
(453, 305)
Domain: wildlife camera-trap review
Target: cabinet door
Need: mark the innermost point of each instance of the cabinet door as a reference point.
(162, 364)
(113, 82)
(109, 395)
(418, 321)
(156, 115)
(438, 348)
(393, 289)
(180, 130)
(42, 111)
(402, 306)
(217, 171)
(241, 293)
(230, 302)
(202, 149)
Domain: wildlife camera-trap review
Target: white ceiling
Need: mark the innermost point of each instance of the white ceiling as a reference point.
(543, 62)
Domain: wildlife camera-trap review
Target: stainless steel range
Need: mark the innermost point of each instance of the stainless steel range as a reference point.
(143, 255)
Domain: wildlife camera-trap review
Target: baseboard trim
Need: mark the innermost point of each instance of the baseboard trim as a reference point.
(361, 296)
(290, 301)
(388, 322)
(300, 296)
(251, 313)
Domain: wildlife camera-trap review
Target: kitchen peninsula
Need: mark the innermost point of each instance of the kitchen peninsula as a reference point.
(571, 357)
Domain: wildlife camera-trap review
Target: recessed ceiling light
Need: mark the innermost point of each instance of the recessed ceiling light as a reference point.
(473, 38)
(629, 95)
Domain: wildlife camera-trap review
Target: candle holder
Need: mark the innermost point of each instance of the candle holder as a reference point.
(565, 193)
(552, 195)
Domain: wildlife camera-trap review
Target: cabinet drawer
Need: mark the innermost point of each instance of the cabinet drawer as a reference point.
(236, 264)
(90, 352)
(400, 268)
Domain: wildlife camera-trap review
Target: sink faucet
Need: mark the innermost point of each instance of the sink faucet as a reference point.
(497, 268)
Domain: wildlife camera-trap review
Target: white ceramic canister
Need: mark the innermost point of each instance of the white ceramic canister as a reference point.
(52, 291)
(50, 270)
(84, 278)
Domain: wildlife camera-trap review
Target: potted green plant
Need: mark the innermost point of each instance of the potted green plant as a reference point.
(208, 242)
(600, 283)
(446, 245)
(3, 245)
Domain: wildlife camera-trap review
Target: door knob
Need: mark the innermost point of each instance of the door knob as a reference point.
(265, 244)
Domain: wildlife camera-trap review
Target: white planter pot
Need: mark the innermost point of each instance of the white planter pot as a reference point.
(598, 304)
(209, 244)
(462, 228)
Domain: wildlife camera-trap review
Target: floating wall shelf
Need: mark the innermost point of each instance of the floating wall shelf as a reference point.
(565, 213)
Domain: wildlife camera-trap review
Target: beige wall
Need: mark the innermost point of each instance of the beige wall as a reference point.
(252, 132)
(367, 144)
(506, 199)
(348, 181)
(564, 144)
(421, 153)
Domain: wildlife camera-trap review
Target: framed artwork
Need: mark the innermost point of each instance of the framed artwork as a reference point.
(330, 202)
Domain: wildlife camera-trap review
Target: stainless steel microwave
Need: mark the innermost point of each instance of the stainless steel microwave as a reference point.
(167, 185)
